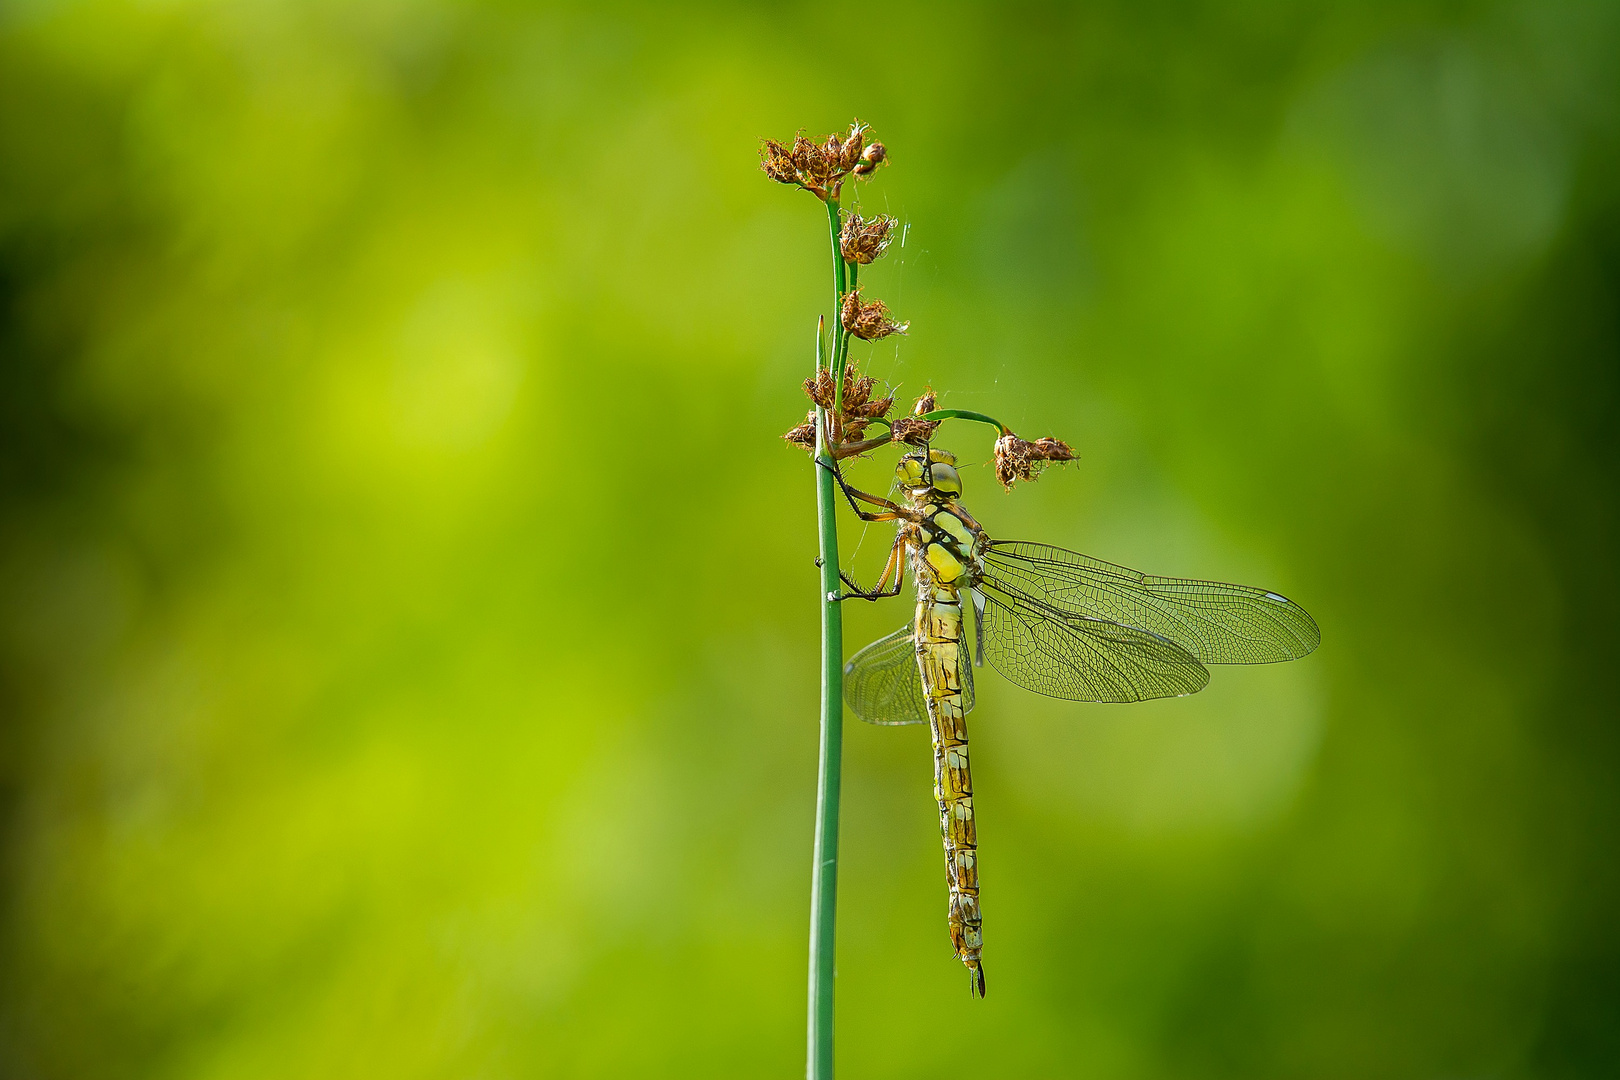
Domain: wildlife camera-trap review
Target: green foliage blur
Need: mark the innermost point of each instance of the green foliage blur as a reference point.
(407, 611)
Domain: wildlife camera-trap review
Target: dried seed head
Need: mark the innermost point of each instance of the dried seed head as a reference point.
(873, 156)
(800, 154)
(820, 169)
(911, 429)
(776, 163)
(858, 411)
(859, 403)
(853, 144)
(857, 389)
(819, 388)
(804, 435)
(872, 410)
(862, 240)
(868, 321)
(914, 429)
(1017, 459)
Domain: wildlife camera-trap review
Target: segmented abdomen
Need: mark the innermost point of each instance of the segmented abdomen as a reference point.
(938, 634)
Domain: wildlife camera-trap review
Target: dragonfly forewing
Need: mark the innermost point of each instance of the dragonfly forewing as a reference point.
(1215, 622)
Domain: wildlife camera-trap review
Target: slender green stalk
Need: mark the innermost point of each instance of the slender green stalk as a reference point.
(840, 338)
(963, 414)
(842, 359)
(824, 874)
(834, 225)
(854, 270)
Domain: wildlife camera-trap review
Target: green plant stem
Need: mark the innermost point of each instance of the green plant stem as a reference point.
(963, 414)
(824, 872)
(840, 339)
(852, 270)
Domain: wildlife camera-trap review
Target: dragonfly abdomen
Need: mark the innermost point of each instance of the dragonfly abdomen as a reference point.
(938, 635)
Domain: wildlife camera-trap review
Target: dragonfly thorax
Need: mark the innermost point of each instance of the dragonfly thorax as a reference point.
(945, 540)
(947, 544)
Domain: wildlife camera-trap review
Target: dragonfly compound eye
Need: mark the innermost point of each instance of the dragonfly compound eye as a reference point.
(911, 472)
(947, 481)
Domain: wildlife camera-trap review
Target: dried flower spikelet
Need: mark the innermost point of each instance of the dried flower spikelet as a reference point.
(854, 143)
(873, 156)
(863, 240)
(859, 402)
(874, 410)
(857, 389)
(914, 429)
(776, 162)
(800, 153)
(818, 170)
(1017, 459)
(819, 388)
(910, 429)
(868, 321)
(804, 435)
(1050, 449)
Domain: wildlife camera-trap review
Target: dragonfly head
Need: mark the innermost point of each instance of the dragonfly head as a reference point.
(930, 475)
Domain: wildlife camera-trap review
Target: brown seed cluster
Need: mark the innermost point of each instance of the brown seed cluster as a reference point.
(804, 435)
(851, 414)
(863, 240)
(914, 429)
(851, 408)
(858, 399)
(1017, 459)
(868, 320)
(821, 168)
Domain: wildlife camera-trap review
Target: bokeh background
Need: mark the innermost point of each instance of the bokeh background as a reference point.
(407, 610)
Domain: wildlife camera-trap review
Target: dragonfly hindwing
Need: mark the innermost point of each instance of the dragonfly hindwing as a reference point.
(1065, 655)
(882, 684)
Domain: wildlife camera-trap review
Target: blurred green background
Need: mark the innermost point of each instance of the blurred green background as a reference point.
(407, 611)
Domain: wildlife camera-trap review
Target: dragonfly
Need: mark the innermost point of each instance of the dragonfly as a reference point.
(1050, 620)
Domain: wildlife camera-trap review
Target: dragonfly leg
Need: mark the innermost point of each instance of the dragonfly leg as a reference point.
(891, 511)
(896, 566)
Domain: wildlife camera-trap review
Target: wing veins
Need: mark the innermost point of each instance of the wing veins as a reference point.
(1215, 621)
(882, 685)
(1064, 654)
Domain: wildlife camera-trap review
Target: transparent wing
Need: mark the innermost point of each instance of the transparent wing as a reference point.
(1217, 623)
(882, 686)
(1066, 655)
